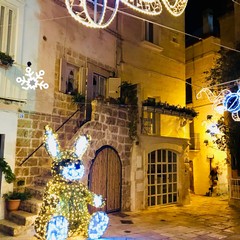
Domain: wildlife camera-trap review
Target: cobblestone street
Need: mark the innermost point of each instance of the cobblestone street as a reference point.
(206, 218)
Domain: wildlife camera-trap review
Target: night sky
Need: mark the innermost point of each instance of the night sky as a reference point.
(194, 17)
(195, 9)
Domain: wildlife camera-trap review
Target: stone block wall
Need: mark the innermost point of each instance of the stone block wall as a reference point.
(109, 127)
(31, 131)
(31, 126)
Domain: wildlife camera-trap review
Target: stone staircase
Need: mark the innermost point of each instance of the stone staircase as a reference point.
(17, 222)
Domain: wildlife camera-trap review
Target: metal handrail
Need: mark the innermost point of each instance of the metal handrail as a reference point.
(55, 131)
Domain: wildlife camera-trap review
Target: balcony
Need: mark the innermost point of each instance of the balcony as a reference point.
(165, 122)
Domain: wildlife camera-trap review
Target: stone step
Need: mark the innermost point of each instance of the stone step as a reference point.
(42, 181)
(22, 218)
(11, 228)
(36, 191)
(32, 205)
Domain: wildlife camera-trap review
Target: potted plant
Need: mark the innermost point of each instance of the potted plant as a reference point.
(5, 59)
(14, 198)
(78, 98)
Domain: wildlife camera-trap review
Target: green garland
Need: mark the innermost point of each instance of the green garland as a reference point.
(7, 171)
(166, 106)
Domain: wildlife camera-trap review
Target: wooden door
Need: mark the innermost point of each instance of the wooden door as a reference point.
(105, 178)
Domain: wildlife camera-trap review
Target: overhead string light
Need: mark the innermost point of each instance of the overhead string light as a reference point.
(100, 14)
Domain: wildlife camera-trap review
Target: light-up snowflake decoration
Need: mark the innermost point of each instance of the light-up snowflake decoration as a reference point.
(32, 79)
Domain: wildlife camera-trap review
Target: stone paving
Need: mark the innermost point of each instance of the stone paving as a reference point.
(206, 218)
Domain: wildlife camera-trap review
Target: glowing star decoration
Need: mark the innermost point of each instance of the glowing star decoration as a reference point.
(100, 14)
(64, 212)
(32, 80)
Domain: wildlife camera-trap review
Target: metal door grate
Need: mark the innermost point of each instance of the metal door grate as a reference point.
(162, 177)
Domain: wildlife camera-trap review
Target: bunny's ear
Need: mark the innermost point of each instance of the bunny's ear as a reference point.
(81, 145)
(51, 142)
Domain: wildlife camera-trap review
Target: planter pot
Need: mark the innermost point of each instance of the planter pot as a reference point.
(13, 205)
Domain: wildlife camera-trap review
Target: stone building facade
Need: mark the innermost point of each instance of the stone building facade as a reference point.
(49, 39)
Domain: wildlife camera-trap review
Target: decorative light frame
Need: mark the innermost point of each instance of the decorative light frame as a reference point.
(227, 100)
(79, 10)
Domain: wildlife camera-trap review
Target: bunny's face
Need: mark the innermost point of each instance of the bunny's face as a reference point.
(69, 169)
(67, 165)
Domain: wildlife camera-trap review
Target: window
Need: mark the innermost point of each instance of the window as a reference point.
(72, 78)
(194, 138)
(149, 32)
(7, 28)
(2, 138)
(99, 85)
(188, 91)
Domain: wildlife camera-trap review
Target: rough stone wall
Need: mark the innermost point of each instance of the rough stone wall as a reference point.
(31, 127)
(30, 135)
(109, 126)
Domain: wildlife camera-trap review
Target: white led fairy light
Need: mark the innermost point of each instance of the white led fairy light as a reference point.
(87, 11)
(80, 12)
(149, 7)
(177, 8)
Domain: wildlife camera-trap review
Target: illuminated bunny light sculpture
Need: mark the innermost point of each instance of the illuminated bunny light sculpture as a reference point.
(100, 13)
(64, 212)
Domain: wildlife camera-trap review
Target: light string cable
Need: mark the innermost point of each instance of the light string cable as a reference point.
(236, 2)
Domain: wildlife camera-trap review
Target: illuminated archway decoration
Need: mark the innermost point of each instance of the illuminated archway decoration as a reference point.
(64, 212)
(100, 13)
(32, 80)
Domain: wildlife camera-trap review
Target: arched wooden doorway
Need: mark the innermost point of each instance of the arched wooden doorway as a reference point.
(105, 178)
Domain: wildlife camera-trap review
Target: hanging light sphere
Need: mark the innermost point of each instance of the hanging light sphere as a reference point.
(95, 14)
(100, 13)
(232, 102)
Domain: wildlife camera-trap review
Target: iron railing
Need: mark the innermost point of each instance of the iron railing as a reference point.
(26, 159)
(235, 188)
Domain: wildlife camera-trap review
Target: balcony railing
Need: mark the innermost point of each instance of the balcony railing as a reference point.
(164, 122)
